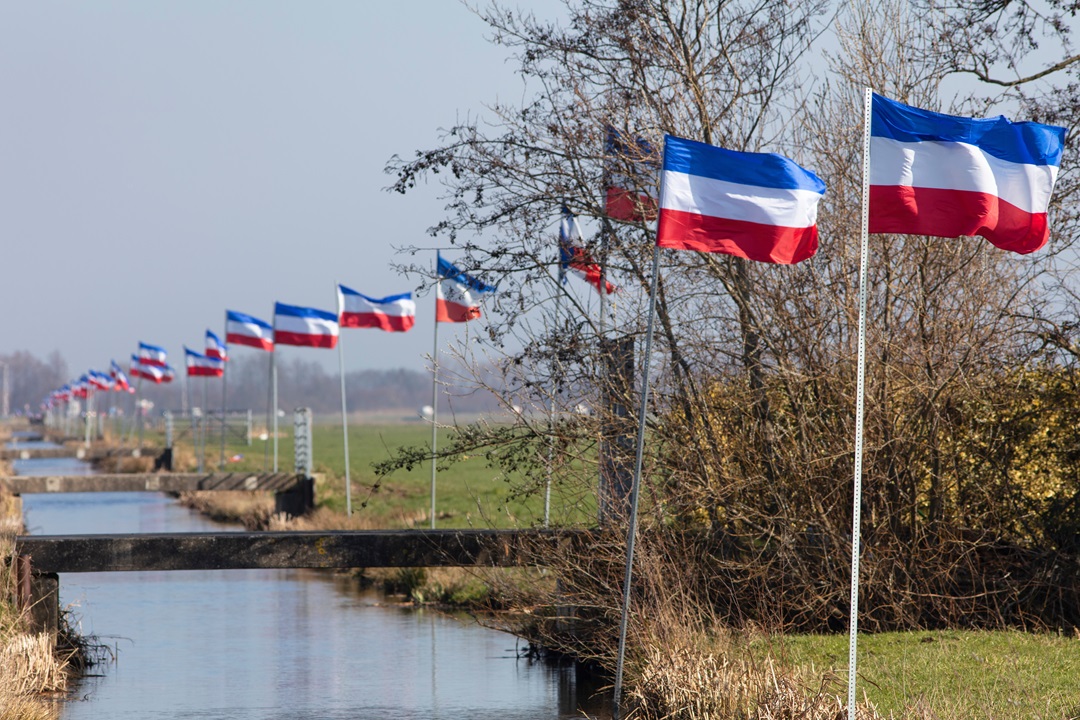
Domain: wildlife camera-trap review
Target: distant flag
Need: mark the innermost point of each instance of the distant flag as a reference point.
(152, 355)
(305, 327)
(395, 313)
(99, 380)
(80, 388)
(154, 373)
(215, 348)
(758, 206)
(199, 365)
(120, 381)
(457, 296)
(629, 162)
(574, 257)
(241, 329)
(947, 176)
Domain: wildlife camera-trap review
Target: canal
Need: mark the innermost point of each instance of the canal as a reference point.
(245, 644)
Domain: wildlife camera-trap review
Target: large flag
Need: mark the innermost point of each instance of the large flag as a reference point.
(199, 365)
(396, 313)
(947, 176)
(457, 294)
(215, 348)
(758, 206)
(630, 164)
(154, 373)
(247, 330)
(152, 355)
(574, 257)
(120, 380)
(306, 327)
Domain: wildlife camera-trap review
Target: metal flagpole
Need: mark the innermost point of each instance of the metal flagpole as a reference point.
(273, 384)
(205, 422)
(190, 408)
(551, 403)
(636, 487)
(224, 395)
(434, 397)
(89, 409)
(860, 392)
(269, 403)
(344, 409)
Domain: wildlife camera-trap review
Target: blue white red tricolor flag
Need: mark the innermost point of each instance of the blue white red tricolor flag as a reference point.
(99, 380)
(630, 165)
(758, 206)
(396, 313)
(305, 327)
(457, 294)
(152, 355)
(948, 176)
(241, 329)
(215, 348)
(156, 374)
(120, 380)
(199, 365)
(574, 257)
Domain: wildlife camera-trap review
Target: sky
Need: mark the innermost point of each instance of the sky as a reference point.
(161, 162)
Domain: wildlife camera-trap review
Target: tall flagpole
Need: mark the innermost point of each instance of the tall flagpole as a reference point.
(273, 385)
(269, 402)
(190, 407)
(224, 394)
(860, 392)
(89, 409)
(635, 490)
(205, 420)
(434, 397)
(344, 409)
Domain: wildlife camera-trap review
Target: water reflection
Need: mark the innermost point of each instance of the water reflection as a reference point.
(247, 644)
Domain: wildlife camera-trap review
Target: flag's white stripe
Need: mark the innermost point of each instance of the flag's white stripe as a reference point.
(960, 166)
(398, 308)
(748, 203)
(305, 326)
(255, 331)
(455, 292)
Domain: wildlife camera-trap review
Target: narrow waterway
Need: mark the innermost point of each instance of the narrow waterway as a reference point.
(239, 645)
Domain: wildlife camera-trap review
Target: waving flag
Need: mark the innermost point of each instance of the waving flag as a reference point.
(99, 380)
(630, 163)
(156, 374)
(457, 295)
(152, 355)
(306, 327)
(758, 206)
(574, 257)
(250, 331)
(396, 313)
(947, 176)
(120, 381)
(80, 388)
(215, 348)
(199, 365)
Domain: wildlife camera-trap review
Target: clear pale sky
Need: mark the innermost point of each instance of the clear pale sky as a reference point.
(163, 161)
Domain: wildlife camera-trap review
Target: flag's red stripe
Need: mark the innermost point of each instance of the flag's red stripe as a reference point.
(390, 323)
(754, 241)
(282, 337)
(260, 343)
(152, 361)
(204, 372)
(446, 311)
(622, 204)
(952, 213)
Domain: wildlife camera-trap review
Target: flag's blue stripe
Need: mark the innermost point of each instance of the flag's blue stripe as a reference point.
(242, 318)
(1028, 143)
(383, 301)
(215, 338)
(450, 271)
(153, 348)
(305, 312)
(760, 169)
(192, 353)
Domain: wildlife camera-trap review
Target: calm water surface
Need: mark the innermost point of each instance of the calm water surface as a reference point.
(244, 644)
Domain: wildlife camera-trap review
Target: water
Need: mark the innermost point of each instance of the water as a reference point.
(245, 644)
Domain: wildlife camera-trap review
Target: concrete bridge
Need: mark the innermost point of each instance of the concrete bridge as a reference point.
(92, 454)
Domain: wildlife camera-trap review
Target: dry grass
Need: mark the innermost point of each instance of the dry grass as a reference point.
(253, 510)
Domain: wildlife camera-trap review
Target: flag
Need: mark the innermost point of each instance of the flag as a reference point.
(623, 198)
(948, 176)
(199, 365)
(215, 348)
(156, 374)
(574, 257)
(396, 313)
(758, 206)
(151, 355)
(120, 381)
(80, 388)
(99, 380)
(306, 327)
(250, 331)
(457, 295)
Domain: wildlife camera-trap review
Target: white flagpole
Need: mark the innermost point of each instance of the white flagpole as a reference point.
(636, 487)
(344, 409)
(860, 392)
(273, 385)
(435, 395)
(270, 395)
(224, 395)
(89, 409)
(205, 422)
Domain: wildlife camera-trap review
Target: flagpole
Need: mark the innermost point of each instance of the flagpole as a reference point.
(204, 420)
(434, 398)
(269, 402)
(224, 394)
(89, 406)
(344, 409)
(273, 378)
(860, 393)
(190, 405)
(635, 490)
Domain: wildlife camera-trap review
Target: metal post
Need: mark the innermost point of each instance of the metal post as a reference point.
(249, 424)
(860, 392)
(304, 455)
(344, 409)
(204, 422)
(89, 409)
(636, 488)
(168, 428)
(224, 395)
(273, 380)
(434, 406)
